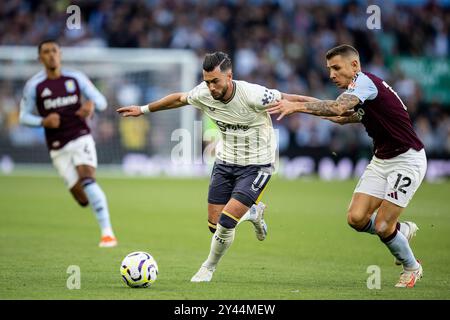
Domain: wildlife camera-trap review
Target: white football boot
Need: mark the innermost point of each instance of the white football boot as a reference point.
(108, 242)
(412, 230)
(408, 279)
(257, 218)
(204, 274)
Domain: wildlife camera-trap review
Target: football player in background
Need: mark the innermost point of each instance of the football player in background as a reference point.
(56, 93)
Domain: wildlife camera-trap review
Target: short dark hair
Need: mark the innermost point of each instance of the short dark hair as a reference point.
(212, 60)
(343, 50)
(46, 41)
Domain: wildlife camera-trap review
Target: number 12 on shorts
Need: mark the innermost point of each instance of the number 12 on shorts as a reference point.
(406, 182)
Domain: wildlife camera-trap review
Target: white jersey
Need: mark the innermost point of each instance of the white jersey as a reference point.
(247, 135)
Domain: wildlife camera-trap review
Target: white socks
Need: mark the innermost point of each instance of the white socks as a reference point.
(221, 241)
(99, 205)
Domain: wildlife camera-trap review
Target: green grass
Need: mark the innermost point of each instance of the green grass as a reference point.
(310, 252)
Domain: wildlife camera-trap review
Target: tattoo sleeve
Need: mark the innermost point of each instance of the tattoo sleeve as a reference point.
(338, 107)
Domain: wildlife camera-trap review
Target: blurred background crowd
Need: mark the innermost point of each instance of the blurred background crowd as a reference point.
(277, 43)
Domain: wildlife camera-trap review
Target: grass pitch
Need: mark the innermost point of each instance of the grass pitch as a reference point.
(310, 252)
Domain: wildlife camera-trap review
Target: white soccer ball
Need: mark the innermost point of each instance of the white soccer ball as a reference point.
(139, 269)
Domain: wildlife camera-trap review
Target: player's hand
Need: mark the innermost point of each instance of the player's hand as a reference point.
(130, 111)
(282, 107)
(52, 121)
(336, 119)
(86, 110)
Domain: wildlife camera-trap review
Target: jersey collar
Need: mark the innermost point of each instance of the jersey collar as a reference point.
(232, 94)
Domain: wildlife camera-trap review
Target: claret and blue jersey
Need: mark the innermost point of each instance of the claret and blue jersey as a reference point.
(384, 116)
(63, 96)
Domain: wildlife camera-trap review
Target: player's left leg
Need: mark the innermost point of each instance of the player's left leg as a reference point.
(222, 239)
(361, 212)
(214, 211)
(98, 202)
(397, 243)
(84, 157)
(251, 183)
(404, 174)
(367, 197)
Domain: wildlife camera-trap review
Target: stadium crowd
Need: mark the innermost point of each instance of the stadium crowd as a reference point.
(277, 43)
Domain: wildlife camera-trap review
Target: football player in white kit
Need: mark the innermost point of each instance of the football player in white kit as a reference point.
(245, 154)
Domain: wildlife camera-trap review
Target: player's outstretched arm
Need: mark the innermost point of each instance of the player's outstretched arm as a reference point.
(298, 98)
(172, 101)
(327, 108)
(349, 117)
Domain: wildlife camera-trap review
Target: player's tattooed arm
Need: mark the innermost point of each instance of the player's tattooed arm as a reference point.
(297, 98)
(348, 117)
(338, 107)
(327, 108)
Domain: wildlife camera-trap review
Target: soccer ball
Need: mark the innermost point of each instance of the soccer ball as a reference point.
(139, 269)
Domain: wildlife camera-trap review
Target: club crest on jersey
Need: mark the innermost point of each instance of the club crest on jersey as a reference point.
(56, 144)
(351, 87)
(70, 86)
(243, 112)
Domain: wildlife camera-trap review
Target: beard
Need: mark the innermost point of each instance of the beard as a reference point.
(222, 94)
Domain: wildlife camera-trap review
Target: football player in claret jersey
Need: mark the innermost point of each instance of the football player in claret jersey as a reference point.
(52, 99)
(244, 156)
(399, 162)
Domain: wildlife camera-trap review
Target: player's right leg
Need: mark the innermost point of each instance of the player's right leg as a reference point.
(221, 186)
(360, 215)
(222, 239)
(214, 211)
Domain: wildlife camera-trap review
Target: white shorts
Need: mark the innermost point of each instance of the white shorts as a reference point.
(395, 180)
(80, 151)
